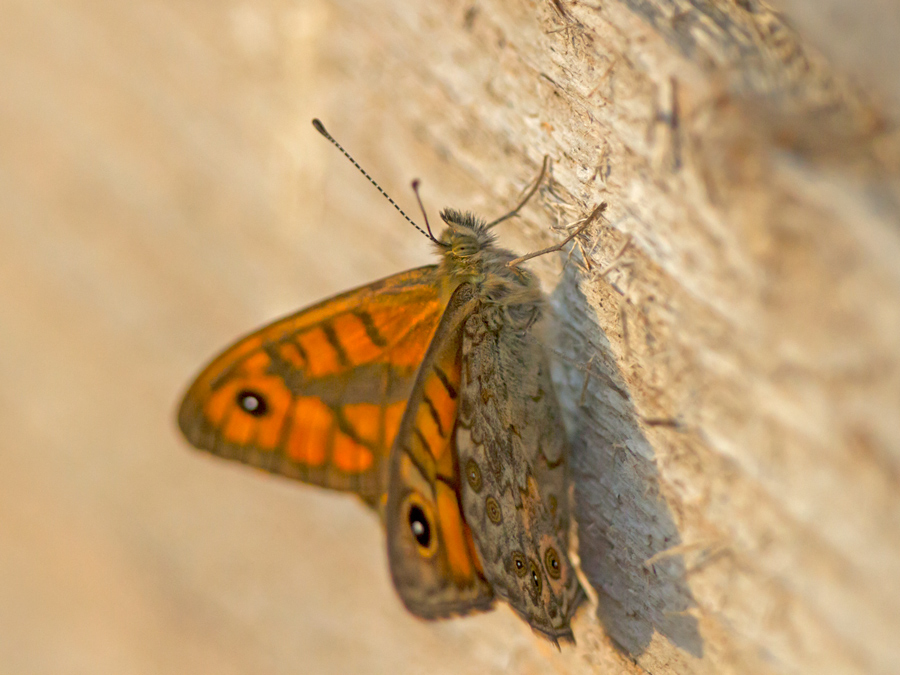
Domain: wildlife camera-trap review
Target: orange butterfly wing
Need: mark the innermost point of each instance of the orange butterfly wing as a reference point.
(434, 564)
(319, 395)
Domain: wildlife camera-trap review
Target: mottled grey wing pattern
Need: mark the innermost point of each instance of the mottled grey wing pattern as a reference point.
(512, 449)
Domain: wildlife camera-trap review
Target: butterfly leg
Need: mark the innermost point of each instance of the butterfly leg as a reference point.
(558, 247)
(528, 195)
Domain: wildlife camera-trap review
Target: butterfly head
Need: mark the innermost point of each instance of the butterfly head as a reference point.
(469, 255)
(465, 237)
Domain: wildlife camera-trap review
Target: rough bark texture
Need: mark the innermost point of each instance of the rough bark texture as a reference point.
(728, 341)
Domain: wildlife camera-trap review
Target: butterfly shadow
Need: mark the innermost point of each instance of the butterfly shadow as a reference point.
(627, 538)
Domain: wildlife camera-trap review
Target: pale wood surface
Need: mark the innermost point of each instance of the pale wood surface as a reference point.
(162, 192)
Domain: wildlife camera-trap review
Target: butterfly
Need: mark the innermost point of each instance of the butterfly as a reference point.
(427, 394)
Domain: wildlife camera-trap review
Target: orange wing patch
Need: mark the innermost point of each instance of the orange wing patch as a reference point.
(366, 420)
(325, 357)
(459, 552)
(350, 456)
(393, 415)
(436, 414)
(418, 334)
(434, 418)
(360, 342)
(290, 353)
(311, 425)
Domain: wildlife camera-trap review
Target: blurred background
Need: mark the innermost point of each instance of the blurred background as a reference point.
(161, 193)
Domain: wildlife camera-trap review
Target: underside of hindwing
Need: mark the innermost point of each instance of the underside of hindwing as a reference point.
(512, 451)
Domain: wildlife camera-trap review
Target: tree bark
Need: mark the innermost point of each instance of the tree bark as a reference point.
(736, 316)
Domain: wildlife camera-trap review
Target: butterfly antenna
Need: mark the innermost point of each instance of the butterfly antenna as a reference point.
(415, 187)
(321, 129)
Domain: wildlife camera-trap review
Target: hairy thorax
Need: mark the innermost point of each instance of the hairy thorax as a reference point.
(469, 255)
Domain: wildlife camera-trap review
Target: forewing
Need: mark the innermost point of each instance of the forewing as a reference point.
(513, 452)
(430, 548)
(319, 395)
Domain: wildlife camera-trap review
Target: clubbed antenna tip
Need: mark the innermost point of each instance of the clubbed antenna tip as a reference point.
(321, 129)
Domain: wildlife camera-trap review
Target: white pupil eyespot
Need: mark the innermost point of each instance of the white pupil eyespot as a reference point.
(251, 403)
(418, 528)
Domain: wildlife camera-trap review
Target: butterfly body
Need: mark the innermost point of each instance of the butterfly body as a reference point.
(510, 440)
(427, 394)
